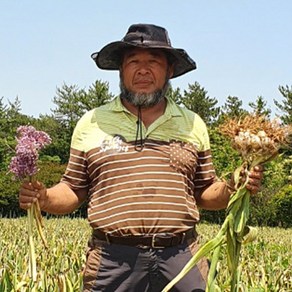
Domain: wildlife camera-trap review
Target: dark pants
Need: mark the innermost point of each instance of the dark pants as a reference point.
(117, 268)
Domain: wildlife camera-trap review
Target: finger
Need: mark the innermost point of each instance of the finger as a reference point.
(253, 188)
(25, 205)
(35, 189)
(37, 185)
(28, 188)
(259, 168)
(27, 193)
(255, 175)
(254, 183)
(26, 185)
(28, 196)
(25, 201)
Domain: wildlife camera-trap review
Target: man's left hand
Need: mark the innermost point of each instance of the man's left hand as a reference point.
(255, 177)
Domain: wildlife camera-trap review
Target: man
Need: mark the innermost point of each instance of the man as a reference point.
(144, 164)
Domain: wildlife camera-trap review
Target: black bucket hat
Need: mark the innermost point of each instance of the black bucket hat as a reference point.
(143, 36)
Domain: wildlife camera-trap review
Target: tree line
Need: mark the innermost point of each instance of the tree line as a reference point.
(272, 206)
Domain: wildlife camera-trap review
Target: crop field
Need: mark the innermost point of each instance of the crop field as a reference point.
(266, 263)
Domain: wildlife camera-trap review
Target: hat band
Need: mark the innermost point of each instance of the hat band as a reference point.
(141, 40)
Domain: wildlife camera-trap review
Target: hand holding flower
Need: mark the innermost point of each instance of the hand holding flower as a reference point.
(30, 193)
(253, 177)
(258, 141)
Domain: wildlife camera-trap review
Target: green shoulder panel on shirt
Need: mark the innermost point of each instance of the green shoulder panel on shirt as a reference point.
(112, 119)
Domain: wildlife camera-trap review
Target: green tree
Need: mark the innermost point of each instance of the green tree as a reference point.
(68, 109)
(232, 108)
(175, 95)
(60, 145)
(3, 131)
(197, 100)
(72, 103)
(98, 94)
(14, 116)
(11, 118)
(282, 202)
(277, 175)
(259, 107)
(286, 105)
(3, 110)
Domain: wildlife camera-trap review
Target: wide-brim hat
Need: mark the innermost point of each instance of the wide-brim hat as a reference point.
(144, 36)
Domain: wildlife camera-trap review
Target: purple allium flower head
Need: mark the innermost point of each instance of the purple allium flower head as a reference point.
(30, 141)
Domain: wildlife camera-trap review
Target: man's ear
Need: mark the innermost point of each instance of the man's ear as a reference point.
(170, 70)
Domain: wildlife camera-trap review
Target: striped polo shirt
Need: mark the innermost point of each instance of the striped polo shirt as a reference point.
(140, 192)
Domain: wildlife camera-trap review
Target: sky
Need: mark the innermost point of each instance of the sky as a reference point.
(242, 48)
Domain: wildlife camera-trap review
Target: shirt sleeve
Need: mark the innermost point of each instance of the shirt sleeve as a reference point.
(205, 173)
(76, 175)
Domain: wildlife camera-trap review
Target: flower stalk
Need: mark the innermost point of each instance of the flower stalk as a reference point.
(37, 215)
(32, 255)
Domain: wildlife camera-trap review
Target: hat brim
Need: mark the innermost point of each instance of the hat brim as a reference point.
(110, 56)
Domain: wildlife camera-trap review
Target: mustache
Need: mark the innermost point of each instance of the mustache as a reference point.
(142, 79)
(144, 100)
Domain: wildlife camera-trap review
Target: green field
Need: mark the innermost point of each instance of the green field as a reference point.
(266, 264)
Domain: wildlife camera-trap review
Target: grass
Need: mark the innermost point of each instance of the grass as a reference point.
(265, 265)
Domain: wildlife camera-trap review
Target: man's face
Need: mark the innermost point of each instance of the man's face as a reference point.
(144, 76)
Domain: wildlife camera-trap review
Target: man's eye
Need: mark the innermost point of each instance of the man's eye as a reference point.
(133, 61)
(154, 61)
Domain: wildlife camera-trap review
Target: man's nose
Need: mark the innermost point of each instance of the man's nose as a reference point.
(143, 68)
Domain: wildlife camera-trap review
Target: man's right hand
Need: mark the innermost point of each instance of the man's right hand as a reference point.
(30, 192)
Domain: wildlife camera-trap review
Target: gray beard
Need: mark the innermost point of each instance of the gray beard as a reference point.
(143, 100)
